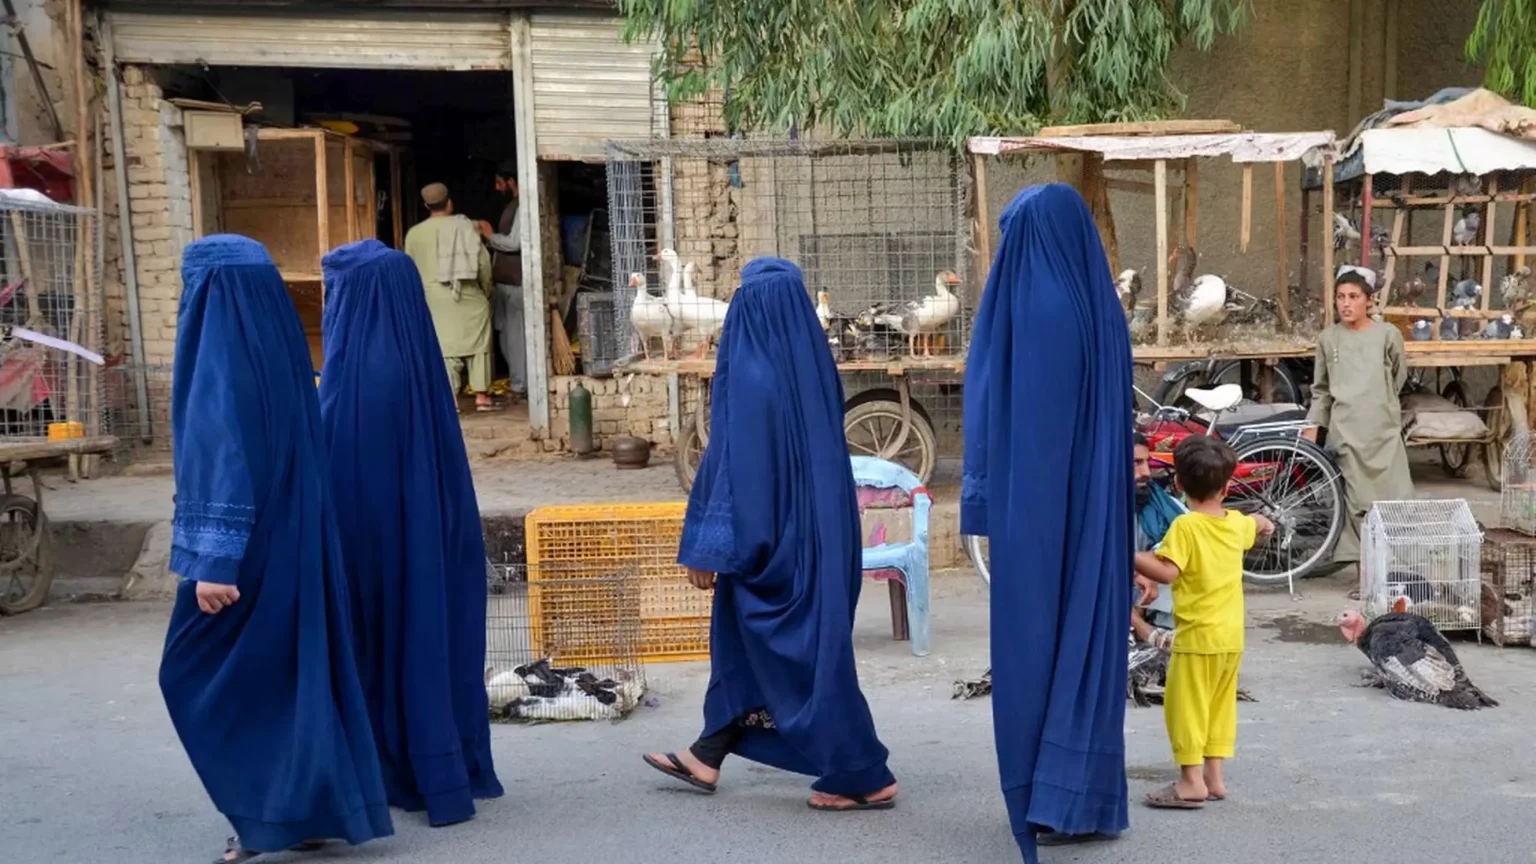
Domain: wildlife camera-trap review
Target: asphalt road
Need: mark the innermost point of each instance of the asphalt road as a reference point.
(90, 769)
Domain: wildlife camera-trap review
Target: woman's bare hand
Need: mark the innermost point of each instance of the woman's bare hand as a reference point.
(701, 579)
(213, 597)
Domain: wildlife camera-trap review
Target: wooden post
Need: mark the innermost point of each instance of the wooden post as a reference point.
(349, 182)
(1304, 237)
(1160, 195)
(1283, 287)
(984, 230)
(1515, 382)
(1328, 204)
(322, 206)
(1191, 203)
(397, 212)
(1445, 265)
(1367, 196)
(1490, 218)
(1245, 233)
(1522, 222)
(1096, 193)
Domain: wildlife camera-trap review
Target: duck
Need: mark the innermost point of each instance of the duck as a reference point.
(926, 317)
(691, 312)
(649, 317)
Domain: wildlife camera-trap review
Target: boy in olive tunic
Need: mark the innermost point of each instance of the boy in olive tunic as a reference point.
(1361, 368)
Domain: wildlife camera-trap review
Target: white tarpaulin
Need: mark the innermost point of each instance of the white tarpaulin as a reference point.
(1429, 150)
(1241, 146)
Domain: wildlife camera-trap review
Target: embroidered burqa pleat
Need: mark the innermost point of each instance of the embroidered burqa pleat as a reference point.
(265, 693)
(410, 533)
(1049, 479)
(773, 512)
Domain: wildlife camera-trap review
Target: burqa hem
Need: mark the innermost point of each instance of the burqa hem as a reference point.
(774, 512)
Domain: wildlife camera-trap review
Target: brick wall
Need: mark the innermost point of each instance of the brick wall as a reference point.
(646, 416)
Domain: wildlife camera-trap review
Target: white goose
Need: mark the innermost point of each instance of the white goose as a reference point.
(926, 317)
(693, 313)
(649, 317)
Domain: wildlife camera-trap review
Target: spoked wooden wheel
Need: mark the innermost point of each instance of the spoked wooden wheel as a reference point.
(1455, 458)
(1499, 430)
(877, 427)
(26, 569)
(690, 452)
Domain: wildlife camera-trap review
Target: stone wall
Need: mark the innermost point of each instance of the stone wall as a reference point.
(646, 416)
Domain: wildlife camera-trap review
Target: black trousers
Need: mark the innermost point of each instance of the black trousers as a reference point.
(712, 749)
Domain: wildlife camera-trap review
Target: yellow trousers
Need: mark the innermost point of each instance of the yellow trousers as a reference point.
(1200, 706)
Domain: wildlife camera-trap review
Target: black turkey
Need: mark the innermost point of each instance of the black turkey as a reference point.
(1412, 661)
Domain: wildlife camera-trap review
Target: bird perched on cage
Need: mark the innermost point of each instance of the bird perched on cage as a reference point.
(1411, 292)
(923, 319)
(1344, 231)
(1412, 661)
(649, 317)
(1465, 184)
(1515, 288)
(1502, 327)
(1465, 231)
(1128, 287)
(1423, 331)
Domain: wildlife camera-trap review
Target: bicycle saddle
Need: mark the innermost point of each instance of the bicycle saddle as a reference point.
(1216, 399)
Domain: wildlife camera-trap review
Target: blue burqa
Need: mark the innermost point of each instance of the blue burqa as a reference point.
(1048, 478)
(774, 513)
(410, 533)
(265, 693)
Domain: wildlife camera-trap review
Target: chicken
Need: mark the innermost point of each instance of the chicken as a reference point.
(1515, 288)
(1128, 287)
(926, 317)
(1412, 661)
(1195, 302)
(824, 310)
(1143, 323)
(649, 317)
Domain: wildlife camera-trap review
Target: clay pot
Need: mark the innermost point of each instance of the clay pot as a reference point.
(631, 452)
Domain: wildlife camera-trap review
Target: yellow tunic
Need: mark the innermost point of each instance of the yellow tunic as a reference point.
(463, 325)
(1200, 699)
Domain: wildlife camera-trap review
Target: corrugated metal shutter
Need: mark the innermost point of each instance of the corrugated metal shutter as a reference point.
(589, 86)
(372, 40)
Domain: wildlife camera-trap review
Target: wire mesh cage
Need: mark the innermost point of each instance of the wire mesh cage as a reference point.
(596, 322)
(136, 404)
(1509, 581)
(562, 642)
(52, 288)
(879, 229)
(600, 538)
(1424, 557)
(1517, 493)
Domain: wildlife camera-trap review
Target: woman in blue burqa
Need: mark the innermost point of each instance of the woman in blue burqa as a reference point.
(1048, 479)
(258, 673)
(773, 527)
(410, 533)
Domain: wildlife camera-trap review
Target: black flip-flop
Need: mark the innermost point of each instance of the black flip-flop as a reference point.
(678, 771)
(860, 804)
(308, 846)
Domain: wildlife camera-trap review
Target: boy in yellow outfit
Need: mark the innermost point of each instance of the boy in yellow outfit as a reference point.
(1202, 558)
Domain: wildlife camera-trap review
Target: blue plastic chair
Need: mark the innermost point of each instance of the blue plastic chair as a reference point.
(908, 561)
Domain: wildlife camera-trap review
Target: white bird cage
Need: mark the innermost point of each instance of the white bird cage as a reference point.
(1426, 555)
(1517, 496)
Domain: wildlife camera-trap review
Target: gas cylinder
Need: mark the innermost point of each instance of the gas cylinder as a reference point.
(581, 420)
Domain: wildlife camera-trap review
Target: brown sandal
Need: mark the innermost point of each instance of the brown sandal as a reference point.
(1167, 798)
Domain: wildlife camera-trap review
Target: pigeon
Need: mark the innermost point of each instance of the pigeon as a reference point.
(1423, 331)
(1466, 184)
(1465, 232)
(1449, 331)
(1516, 287)
(1466, 294)
(1502, 327)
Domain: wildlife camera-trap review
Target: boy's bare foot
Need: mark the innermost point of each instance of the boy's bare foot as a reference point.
(884, 799)
(1191, 791)
(1215, 785)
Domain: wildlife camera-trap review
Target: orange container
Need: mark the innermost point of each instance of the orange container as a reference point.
(66, 431)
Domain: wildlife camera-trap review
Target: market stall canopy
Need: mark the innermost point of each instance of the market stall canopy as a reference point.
(1310, 147)
(1431, 150)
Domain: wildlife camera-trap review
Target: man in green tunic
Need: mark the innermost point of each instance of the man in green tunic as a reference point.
(456, 271)
(1360, 371)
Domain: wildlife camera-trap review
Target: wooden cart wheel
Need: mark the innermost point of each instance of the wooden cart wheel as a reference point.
(690, 452)
(1497, 418)
(26, 567)
(874, 428)
(1455, 458)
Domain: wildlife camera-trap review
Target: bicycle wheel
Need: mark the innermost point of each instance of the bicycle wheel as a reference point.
(977, 549)
(1296, 485)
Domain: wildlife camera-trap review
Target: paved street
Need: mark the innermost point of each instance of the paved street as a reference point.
(1326, 772)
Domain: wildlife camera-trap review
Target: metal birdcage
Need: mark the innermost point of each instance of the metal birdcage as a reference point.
(50, 258)
(1509, 587)
(1424, 557)
(874, 225)
(1517, 493)
(562, 642)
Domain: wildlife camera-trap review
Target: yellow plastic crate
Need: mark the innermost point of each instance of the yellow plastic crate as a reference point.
(597, 540)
